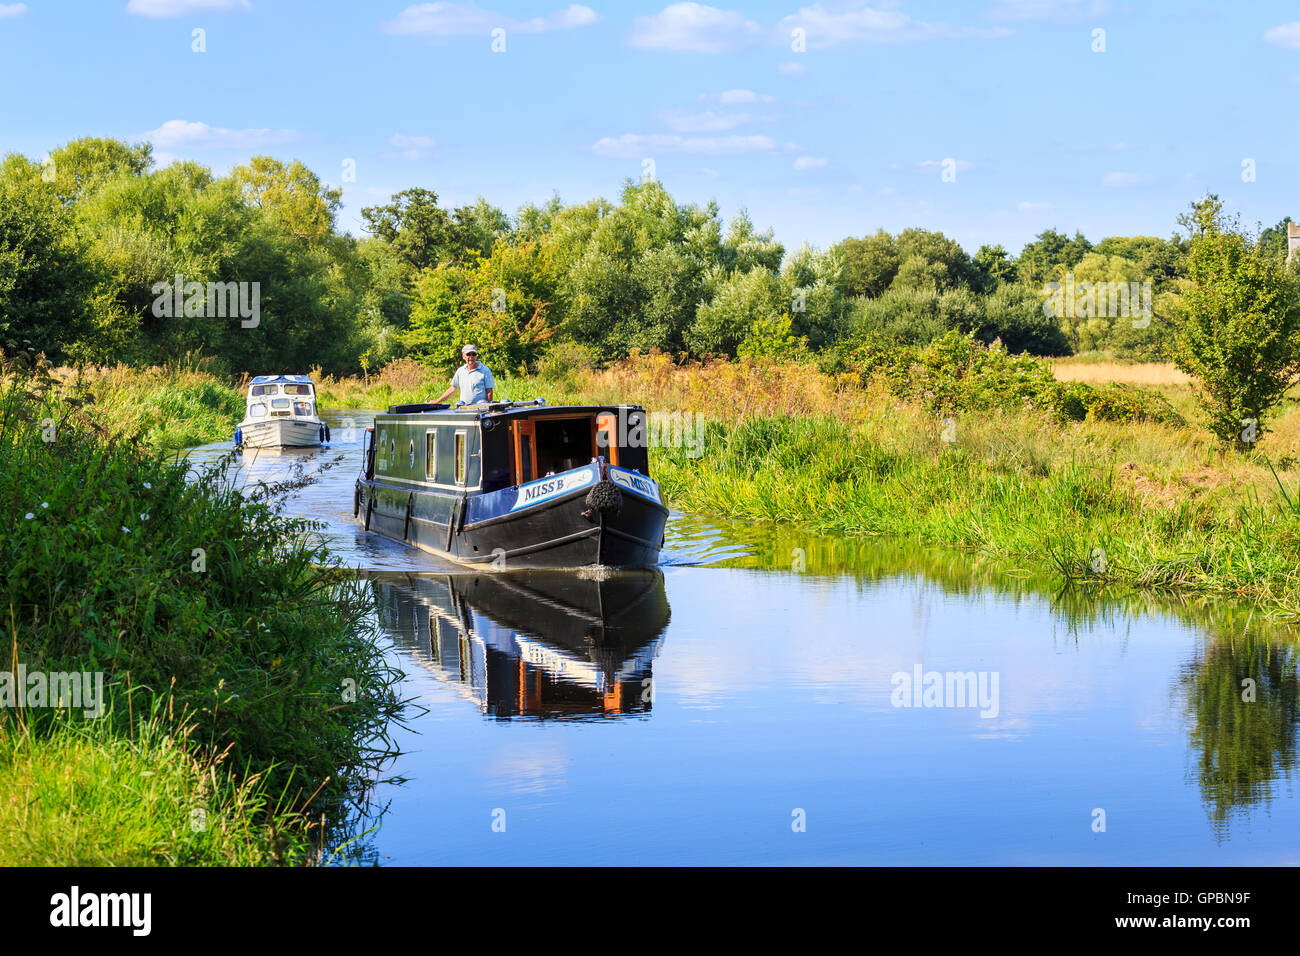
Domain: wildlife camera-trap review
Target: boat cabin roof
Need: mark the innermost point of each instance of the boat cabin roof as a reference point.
(504, 409)
(264, 379)
(264, 385)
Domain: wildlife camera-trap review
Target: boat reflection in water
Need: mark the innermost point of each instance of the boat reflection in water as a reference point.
(541, 643)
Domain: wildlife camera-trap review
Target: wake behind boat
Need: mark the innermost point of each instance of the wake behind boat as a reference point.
(280, 412)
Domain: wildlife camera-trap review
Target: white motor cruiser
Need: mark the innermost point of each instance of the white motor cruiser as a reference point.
(281, 413)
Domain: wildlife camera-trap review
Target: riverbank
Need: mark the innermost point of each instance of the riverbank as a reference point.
(232, 700)
(1092, 482)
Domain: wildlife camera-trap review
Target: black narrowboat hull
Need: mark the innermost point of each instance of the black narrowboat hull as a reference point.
(562, 531)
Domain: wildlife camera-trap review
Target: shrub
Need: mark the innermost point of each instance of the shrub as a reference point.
(959, 373)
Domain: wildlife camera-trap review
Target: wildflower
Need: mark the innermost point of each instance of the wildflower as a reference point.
(45, 504)
(148, 487)
(30, 516)
(125, 529)
(144, 516)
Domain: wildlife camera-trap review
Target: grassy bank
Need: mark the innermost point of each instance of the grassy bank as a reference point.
(1053, 468)
(241, 678)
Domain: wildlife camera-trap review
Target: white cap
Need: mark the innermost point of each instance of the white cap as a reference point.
(467, 349)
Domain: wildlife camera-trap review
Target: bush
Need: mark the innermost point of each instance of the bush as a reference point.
(97, 571)
(564, 362)
(959, 373)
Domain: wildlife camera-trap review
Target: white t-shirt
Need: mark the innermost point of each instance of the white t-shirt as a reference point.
(473, 385)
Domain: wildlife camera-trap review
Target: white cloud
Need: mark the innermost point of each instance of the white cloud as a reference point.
(1048, 9)
(1287, 35)
(809, 162)
(466, 19)
(1027, 206)
(182, 134)
(10, 10)
(694, 28)
(177, 8)
(410, 147)
(736, 97)
(633, 146)
(710, 121)
(791, 68)
(1120, 179)
(826, 27)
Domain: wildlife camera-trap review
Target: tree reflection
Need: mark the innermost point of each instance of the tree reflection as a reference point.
(1242, 745)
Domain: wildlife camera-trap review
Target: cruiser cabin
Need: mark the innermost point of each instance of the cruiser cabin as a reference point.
(280, 412)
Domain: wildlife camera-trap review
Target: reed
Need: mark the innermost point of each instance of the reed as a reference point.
(1019, 488)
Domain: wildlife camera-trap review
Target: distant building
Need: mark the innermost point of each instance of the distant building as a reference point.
(1292, 240)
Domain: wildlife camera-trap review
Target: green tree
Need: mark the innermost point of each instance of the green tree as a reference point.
(1039, 260)
(740, 301)
(85, 164)
(932, 259)
(1239, 327)
(814, 295)
(291, 193)
(46, 280)
(870, 264)
(638, 270)
(414, 225)
(502, 303)
(745, 248)
(476, 229)
(994, 267)
(1273, 240)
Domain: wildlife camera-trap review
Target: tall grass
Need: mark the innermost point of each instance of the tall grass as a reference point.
(204, 608)
(1010, 493)
(82, 794)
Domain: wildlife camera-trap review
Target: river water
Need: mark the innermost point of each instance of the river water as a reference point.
(770, 697)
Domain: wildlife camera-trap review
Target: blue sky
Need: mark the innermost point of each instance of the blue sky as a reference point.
(843, 137)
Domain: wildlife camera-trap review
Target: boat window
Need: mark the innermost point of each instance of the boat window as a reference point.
(460, 458)
(266, 390)
(257, 410)
(564, 443)
(525, 458)
(297, 390)
(302, 408)
(411, 463)
(279, 403)
(431, 454)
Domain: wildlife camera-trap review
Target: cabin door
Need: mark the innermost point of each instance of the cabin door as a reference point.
(525, 450)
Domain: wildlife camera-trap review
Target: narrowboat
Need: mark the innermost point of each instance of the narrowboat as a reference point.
(280, 412)
(542, 644)
(514, 484)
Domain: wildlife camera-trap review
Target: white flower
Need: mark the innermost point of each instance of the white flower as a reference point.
(125, 529)
(145, 516)
(30, 516)
(45, 504)
(149, 486)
